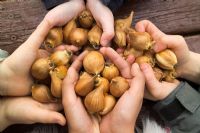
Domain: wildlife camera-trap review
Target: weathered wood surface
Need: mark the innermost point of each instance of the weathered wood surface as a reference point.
(18, 18)
(171, 16)
(193, 43)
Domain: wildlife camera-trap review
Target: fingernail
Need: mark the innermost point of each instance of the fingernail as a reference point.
(155, 47)
(144, 66)
(104, 42)
(136, 66)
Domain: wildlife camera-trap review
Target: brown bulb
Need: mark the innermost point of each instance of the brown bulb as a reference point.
(166, 59)
(54, 38)
(68, 28)
(123, 24)
(110, 71)
(158, 73)
(118, 86)
(56, 85)
(102, 83)
(145, 59)
(110, 102)
(78, 37)
(60, 58)
(120, 38)
(86, 19)
(93, 62)
(94, 36)
(40, 68)
(85, 84)
(94, 101)
(170, 75)
(139, 40)
(41, 93)
(61, 71)
(132, 51)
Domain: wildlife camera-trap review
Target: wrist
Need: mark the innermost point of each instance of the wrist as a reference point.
(191, 70)
(4, 121)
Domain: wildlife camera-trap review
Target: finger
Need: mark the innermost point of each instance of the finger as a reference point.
(121, 64)
(156, 34)
(67, 47)
(53, 106)
(148, 26)
(120, 50)
(68, 93)
(151, 81)
(138, 82)
(108, 25)
(130, 59)
(48, 116)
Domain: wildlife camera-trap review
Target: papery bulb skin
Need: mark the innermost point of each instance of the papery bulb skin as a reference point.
(118, 86)
(166, 59)
(85, 84)
(54, 38)
(42, 93)
(93, 62)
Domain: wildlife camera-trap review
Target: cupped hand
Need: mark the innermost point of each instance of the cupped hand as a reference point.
(25, 110)
(15, 78)
(104, 18)
(79, 121)
(123, 116)
(156, 90)
(174, 42)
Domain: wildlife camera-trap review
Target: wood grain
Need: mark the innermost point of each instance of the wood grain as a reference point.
(193, 43)
(18, 19)
(171, 16)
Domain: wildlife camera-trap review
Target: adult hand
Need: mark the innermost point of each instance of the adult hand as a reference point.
(106, 21)
(25, 110)
(15, 78)
(188, 63)
(123, 117)
(79, 121)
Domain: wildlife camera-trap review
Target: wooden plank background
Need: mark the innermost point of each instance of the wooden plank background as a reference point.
(18, 18)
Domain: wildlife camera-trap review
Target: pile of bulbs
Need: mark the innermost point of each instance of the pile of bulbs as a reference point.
(100, 83)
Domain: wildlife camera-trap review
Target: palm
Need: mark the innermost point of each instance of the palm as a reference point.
(17, 66)
(78, 118)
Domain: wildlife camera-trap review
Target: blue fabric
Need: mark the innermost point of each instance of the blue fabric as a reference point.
(113, 4)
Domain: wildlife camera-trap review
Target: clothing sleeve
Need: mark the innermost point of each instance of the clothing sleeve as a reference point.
(181, 109)
(3, 55)
(113, 4)
(49, 4)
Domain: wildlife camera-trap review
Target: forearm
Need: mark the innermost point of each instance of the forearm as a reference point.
(191, 71)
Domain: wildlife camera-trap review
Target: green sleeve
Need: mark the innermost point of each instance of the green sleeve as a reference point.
(181, 109)
(3, 55)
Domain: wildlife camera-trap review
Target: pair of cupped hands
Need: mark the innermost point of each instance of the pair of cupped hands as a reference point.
(16, 80)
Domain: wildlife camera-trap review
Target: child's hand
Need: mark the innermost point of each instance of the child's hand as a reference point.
(123, 116)
(25, 110)
(188, 62)
(79, 121)
(104, 18)
(15, 78)
(156, 90)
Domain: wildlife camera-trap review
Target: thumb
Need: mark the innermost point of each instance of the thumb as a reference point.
(48, 114)
(152, 83)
